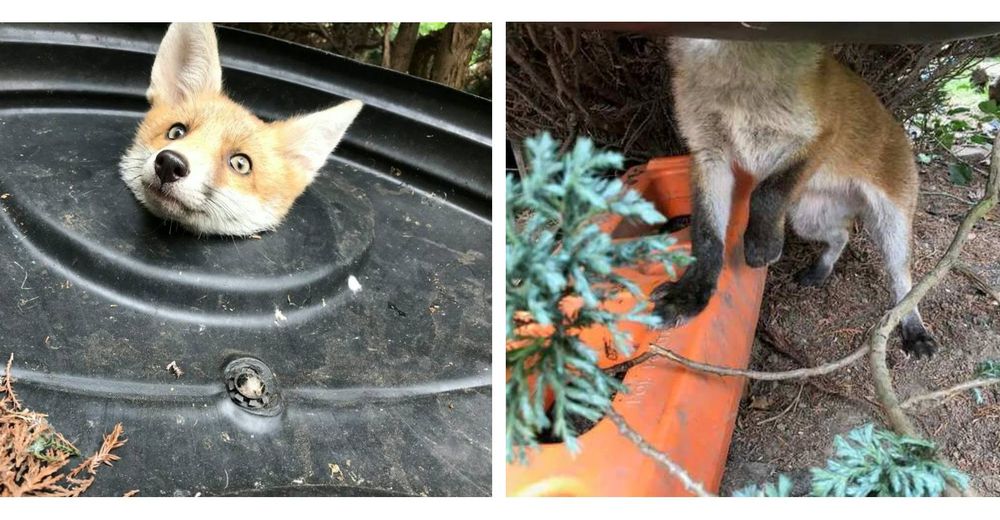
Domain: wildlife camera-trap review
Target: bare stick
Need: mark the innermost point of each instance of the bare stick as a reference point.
(626, 365)
(787, 409)
(940, 395)
(7, 387)
(798, 373)
(657, 455)
(978, 280)
(948, 195)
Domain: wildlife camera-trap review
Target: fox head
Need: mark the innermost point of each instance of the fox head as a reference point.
(204, 161)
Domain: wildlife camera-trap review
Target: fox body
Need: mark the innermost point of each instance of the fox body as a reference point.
(206, 162)
(823, 150)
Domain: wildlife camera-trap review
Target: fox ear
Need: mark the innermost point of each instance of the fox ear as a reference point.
(311, 138)
(186, 64)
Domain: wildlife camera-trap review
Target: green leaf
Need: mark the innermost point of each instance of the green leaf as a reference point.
(989, 107)
(958, 125)
(783, 488)
(959, 173)
(981, 139)
(429, 27)
(947, 139)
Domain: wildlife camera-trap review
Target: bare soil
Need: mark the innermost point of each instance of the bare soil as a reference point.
(781, 429)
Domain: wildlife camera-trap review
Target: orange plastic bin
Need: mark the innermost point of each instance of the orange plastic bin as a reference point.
(688, 415)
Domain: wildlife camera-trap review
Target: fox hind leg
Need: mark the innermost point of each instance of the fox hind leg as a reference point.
(889, 226)
(822, 217)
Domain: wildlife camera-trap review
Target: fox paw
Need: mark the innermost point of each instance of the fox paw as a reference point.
(812, 276)
(919, 344)
(675, 303)
(761, 250)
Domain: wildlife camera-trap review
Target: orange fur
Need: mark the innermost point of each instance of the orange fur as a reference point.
(220, 127)
(864, 140)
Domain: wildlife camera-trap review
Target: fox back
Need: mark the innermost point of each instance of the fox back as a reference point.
(206, 162)
(773, 101)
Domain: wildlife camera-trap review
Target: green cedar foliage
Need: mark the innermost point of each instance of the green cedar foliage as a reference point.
(873, 462)
(783, 488)
(876, 462)
(556, 249)
(988, 369)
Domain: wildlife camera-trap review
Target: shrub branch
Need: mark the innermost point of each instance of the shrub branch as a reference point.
(798, 373)
(662, 458)
(940, 395)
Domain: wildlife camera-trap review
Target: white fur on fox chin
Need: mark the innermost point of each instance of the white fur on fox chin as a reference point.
(217, 212)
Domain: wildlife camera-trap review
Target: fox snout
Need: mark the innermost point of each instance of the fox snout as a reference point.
(170, 166)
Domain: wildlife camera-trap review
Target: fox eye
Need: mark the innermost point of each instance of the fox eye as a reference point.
(240, 163)
(177, 131)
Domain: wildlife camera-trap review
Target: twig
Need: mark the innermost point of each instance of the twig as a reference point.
(7, 388)
(657, 455)
(798, 373)
(787, 409)
(522, 168)
(112, 441)
(779, 344)
(978, 280)
(947, 392)
(23, 288)
(948, 195)
(959, 159)
(622, 367)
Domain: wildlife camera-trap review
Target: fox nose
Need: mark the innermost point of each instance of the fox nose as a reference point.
(170, 166)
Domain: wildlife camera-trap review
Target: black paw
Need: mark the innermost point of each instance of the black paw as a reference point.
(676, 303)
(761, 250)
(812, 276)
(919, 343)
